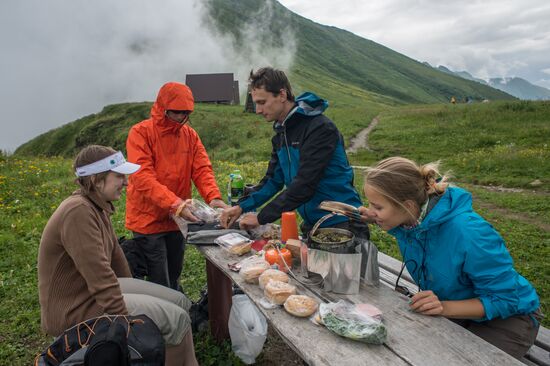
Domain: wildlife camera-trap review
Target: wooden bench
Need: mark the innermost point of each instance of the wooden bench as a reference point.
(539, 354)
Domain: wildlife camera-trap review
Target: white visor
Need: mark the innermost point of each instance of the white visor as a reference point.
(115, 163)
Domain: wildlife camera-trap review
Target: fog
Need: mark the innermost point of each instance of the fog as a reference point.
(62, 60)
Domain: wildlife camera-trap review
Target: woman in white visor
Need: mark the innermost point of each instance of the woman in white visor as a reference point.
(82, 271)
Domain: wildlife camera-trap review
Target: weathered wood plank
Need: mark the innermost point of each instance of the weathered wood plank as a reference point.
(389, 270)
(538, 356)
(543, 338)
(393, 265)
(424, 340)
(314, 344)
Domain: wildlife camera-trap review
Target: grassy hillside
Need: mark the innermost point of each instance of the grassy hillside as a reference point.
(327, 53)
(506, 143)
(227, 132)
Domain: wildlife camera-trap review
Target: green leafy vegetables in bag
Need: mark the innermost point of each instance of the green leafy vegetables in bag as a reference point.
(347, 320)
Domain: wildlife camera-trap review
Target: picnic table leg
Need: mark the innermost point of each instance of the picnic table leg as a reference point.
(220, 291)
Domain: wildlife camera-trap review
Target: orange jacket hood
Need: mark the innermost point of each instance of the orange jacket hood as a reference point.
(172, 96)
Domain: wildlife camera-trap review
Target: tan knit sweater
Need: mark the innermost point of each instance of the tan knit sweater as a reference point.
(79, 261)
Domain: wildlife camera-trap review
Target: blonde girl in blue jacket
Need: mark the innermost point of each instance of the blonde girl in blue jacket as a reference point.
(458, 260)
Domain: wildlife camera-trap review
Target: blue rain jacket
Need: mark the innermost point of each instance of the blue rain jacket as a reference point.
(458, 255)
(309, 161)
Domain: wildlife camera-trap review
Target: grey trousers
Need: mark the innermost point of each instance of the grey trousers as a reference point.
(169, 309)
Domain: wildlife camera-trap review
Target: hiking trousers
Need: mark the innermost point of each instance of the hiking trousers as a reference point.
(164, 255)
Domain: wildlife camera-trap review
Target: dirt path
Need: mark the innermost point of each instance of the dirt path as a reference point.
(361, 141)
(513, 190)
(517, 216)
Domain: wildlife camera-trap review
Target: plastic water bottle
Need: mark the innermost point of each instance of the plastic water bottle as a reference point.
(229, 189)
(237, 187)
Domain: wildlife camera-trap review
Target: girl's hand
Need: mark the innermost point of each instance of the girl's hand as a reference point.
(366, 215)
(427, 303)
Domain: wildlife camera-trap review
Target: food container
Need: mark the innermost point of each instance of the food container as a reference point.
(332, 240)
(332, 253)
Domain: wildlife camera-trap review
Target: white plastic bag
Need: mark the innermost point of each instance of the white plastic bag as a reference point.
(247, 328)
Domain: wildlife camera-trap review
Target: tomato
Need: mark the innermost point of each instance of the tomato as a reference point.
(272, 257)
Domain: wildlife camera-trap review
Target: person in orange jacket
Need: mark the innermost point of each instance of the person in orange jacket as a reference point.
(171, 156)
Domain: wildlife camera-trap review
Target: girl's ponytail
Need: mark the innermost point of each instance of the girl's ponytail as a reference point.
(434, 182)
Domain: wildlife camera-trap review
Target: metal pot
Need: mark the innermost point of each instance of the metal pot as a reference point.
(345, 246)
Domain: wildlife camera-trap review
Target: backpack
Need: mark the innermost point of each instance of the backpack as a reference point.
(198, 312)
(143, 342)
(134, 256)
(109, 349)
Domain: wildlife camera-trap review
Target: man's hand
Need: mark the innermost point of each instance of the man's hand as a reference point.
(249, 221)
(427, 303)
(230, 215)
(181, 209)
(218, 203)
(366, 215)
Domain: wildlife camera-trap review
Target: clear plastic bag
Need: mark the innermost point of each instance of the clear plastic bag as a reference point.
(277, 291)
(252, 268)
(353, 321)
(266, 231)
(200, 210)
(234, 243)
(300, 305)
(272, 274)
(247, 329)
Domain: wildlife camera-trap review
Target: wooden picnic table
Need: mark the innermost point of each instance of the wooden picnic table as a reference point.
(413, 339)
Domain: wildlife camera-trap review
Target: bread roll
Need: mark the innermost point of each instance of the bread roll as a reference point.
(253, 268)
(277, 291)
(300, 305)
(272, 274)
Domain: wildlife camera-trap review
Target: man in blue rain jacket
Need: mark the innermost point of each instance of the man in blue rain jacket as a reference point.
(308, 158)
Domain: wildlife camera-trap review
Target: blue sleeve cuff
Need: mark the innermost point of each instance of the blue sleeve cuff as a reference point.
(489, 309)
(247, 205)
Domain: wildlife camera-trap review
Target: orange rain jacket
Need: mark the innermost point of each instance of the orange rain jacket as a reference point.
(171, 155)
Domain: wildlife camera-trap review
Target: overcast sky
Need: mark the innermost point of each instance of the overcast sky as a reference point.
(487, 38)
(64, 59)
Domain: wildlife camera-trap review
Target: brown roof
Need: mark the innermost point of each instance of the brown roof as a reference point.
(212, 87)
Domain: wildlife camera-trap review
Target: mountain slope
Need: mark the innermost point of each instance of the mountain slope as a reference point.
(336, 54)
(462, 74)
(520, 88)
(358, 77)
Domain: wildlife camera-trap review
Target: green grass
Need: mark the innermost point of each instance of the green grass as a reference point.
(504, 143)
(531, 204)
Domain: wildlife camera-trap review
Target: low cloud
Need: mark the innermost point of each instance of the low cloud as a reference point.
(490, 38)
(62, 59)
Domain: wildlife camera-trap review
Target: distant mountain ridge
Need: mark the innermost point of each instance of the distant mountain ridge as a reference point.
(518, 87)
